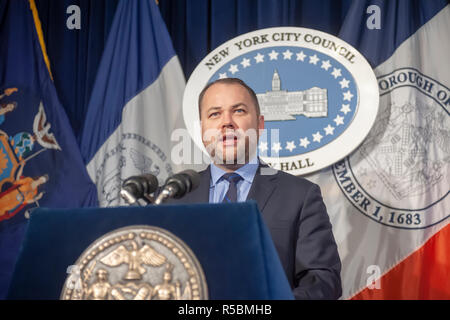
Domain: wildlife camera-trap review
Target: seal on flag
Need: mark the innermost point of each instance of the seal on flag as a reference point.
(18, 191)
(399, 176)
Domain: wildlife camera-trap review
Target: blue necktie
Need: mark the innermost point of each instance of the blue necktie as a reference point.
(231, 195)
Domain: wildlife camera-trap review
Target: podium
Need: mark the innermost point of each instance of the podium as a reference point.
(230, 241)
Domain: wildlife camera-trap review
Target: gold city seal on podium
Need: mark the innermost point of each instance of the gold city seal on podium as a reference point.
(136, 263)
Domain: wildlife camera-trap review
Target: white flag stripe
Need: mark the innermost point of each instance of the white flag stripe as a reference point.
(152, 114)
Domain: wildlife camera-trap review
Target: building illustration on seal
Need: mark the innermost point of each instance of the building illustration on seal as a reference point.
(280, 105)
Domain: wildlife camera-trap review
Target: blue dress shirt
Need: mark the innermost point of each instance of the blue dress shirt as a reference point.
(218, 186)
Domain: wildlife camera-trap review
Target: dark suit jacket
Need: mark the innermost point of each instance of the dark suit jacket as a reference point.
(293, 210)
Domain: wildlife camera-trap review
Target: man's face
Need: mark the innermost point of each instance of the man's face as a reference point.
(102, 275)
(230, 123)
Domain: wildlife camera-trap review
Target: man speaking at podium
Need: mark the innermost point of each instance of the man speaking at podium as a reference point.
(291, 207)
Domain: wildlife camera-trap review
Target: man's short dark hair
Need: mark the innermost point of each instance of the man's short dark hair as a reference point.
(229, 81)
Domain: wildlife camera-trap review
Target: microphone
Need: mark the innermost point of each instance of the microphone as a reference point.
(138, 187)
(178, 185)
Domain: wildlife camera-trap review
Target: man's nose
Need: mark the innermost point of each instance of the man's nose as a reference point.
(227, 120)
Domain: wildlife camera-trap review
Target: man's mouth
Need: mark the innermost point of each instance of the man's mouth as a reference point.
(229, 139)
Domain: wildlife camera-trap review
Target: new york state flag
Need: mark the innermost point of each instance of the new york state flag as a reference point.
(40, 162)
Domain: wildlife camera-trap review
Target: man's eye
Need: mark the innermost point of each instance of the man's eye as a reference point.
(239, 110)
(214, 114)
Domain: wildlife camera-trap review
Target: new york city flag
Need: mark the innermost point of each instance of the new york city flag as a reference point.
(135, 104)
(40, 163)
(395, 245)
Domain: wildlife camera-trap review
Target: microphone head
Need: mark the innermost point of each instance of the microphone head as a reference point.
(150, 183)
(138, 186)
(184, 182)
(193, 177)
(134, 186)
(180, 183)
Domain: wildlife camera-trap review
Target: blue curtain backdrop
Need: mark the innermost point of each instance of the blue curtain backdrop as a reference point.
(75, 54)
(196, 28)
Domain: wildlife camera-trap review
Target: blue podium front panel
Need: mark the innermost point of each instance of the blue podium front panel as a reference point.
(230, 241)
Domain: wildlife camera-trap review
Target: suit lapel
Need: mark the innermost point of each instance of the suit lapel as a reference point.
(262, 188)
(201, 194)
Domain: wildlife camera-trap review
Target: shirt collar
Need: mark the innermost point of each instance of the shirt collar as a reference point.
(247, 171)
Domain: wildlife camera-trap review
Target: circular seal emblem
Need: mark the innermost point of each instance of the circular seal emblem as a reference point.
(136, 263)
(399, 176)
(318, 95)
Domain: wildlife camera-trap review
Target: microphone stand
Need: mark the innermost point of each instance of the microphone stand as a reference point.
(132, 200)
(166, 193)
